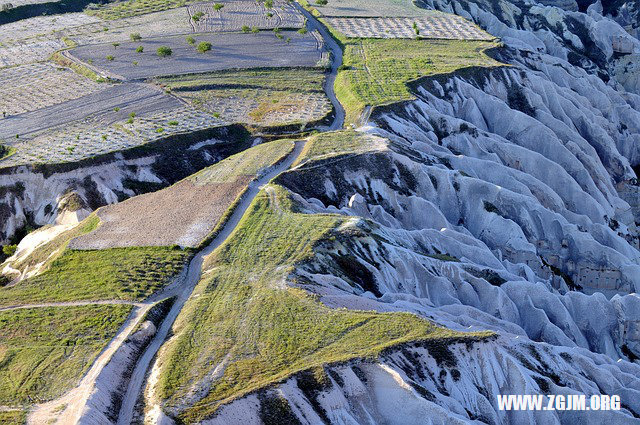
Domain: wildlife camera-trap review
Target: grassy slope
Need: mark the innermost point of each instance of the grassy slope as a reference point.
(266, 330)
(71, 275)
(247, 163)
(44, 351)
(378, 70)
(336, 143)
(6, 151)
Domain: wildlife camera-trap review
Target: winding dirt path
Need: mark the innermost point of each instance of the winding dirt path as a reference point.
(192, 278)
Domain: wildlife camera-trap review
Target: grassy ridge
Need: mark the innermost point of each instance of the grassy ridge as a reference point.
(246, 163)
(6, 151)
(338, 143)
(376, 71)
(44, 351)
(246, 316)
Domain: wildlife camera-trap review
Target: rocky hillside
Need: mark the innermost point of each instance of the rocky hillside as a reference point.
(504, 199)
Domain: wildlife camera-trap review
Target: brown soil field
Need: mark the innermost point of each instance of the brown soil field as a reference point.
(183, 214)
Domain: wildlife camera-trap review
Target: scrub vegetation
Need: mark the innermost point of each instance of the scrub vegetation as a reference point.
(245, 315)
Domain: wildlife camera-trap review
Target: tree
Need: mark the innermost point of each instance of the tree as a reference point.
(204, 46)
(196, 16)
(321, 2)
(109, 58)
(140, 49)
(246, 29)
(218, 6)
(268, 4)
(191, 40)
(135, 36)
(255, 30)
(115, 45)
(164, 51)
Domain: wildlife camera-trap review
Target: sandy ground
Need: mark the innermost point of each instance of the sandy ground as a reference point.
(183, 214)
(229, 50)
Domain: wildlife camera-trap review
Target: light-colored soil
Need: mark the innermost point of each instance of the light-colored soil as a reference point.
(237, 13)
(42, 25)
(440, 26)
(90, 137)
(164, 23)
(34, 86)
(23, 52)
(261, 107)
(382, 8)
(183, 214)
(229, 51)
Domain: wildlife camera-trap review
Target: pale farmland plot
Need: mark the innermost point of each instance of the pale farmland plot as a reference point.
(372, 8)
(17, 3)
(229, 51)
(441, 26)
(173, 21)
(34, 86)
(23, 52)
(261, 107)
(91, 137)
(41, 25)
(238, 13)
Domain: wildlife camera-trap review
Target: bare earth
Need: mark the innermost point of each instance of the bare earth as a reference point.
(183, 214)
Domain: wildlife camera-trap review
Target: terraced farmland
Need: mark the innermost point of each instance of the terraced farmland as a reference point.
(187, 212)
(370, 8)
(257, 97)
(228, 51)
(440, 27)
(237, 14)
(42, 25)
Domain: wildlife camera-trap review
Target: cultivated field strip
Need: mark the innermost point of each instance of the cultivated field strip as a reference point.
(42, 25)
(261, 107)
(86, 139)
(168, 22)
(25, 52)
(228, 51)
(450, 27)
(34, 86)
(238, 13)
(372, 8)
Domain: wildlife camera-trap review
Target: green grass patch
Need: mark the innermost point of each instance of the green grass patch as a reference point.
(45, 351)
(337, 143)
(116, 273)
(376, 71)
(6, 151)
(13, 417)
(265, 331)
(247, 163)
(78, 68)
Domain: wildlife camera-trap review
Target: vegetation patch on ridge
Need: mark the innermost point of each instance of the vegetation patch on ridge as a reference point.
(45, 351)
(243, 314)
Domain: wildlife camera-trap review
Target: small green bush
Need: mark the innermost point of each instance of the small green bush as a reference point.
(204, 46)
(303, 31)
(190, 40)
(9, 250)
(174, 123)
(218, 6)
(321, 2)
(196, 16)
(135, 36)
(246, 29)
(164, 51)
(268, 4)
(255, 30)
(140, 49)
(109, 58)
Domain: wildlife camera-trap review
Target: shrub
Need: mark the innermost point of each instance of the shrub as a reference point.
(115, 45)
(135, 36)
(321, 2)
(218, 6)
(140, 49)
(204, 46)
(246, 29)
(164, 51)
(174, 123)
(116, 109)
(110, 58)
(268, 4)
(196, 16)
(303, 30)
(159, 130)
(9, 250)
(255, 30)
(191, 40)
